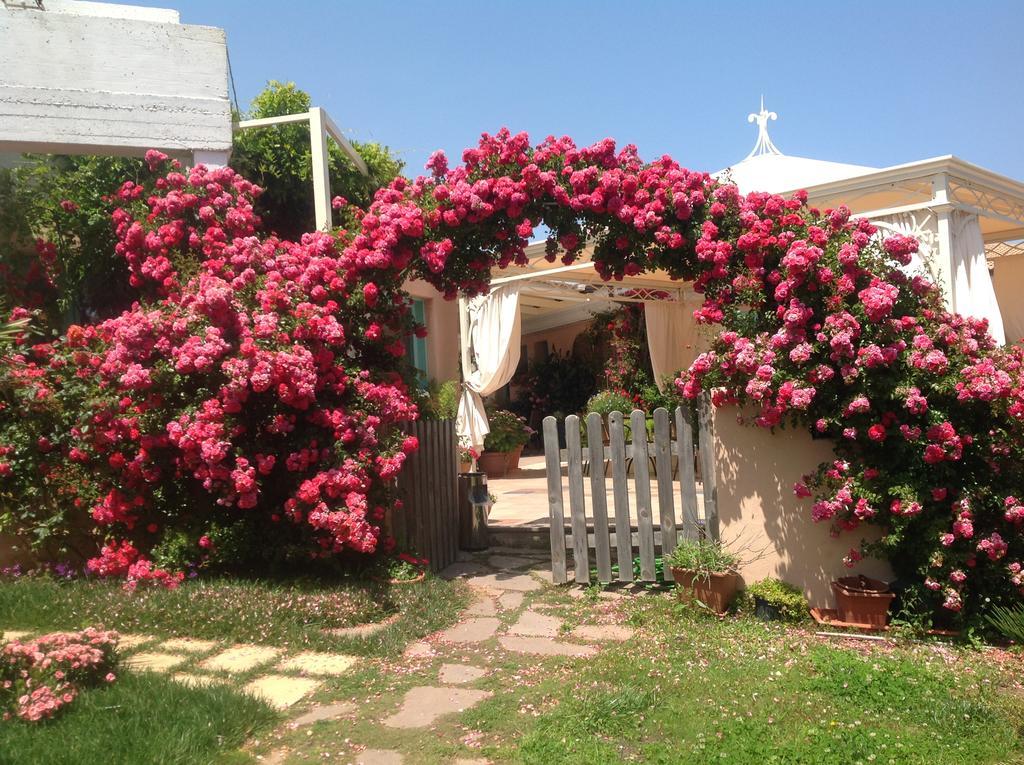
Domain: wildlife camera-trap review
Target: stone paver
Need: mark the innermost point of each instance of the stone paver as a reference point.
(545, 646)
(281, 691)
(510, 561)
(196, 681)
(599, 633)
(14, 634)
(241, 658)
(534, 624)
(325, 712)
(128, 641)
(423, 705)
(363, 630)
(484, 605)
(471, 630)
(510, 601)
(380, 757)
(462, 569)
(313, 663)
(471, 761)
(517, 582)
(187, 645)
(457, 674)
(418, 650)
(154, 661)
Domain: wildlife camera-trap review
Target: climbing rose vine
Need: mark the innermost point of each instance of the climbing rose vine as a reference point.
(266, 352)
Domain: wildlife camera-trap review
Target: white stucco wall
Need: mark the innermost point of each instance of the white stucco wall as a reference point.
(74, 81)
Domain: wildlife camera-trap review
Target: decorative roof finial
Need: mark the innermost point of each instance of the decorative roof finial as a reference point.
(764, 144)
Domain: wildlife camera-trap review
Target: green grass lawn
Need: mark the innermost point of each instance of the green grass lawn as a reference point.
(142, 719)
(285, 613)
(698, 690)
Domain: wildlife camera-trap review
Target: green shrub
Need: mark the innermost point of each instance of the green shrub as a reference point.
(444, 401)
(1008, 621)
(789, 600)
(508, 431)
(702, 556)
(607, 401)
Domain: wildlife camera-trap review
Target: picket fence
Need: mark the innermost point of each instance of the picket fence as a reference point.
(614, 539)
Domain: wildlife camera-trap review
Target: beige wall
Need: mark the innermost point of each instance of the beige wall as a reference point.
(558, 339)
(1008, 281)
(756, 470)
(442, 318)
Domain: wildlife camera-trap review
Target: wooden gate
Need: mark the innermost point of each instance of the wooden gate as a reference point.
(670, 457)
(428, 485)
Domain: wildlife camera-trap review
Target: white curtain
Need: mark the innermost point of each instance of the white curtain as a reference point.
(494, 333)
(973, 294)
(672, 336)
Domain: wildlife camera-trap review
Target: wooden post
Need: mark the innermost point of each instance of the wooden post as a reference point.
(595, 446)
(620, 496)
(642, 480)
(556, 513)
(707, 451)
(666, 490)
(577, 506)
(321, 169)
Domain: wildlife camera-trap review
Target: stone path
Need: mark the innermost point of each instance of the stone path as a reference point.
(506, 629)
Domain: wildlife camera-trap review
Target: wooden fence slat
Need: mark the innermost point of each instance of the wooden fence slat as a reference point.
(666, 491)
(556, 512)
(453, 492)
(599, 500)
(437, 470)
(577, 505)
(620, 496)
(707, 451)
(642, 478)
(687, 473)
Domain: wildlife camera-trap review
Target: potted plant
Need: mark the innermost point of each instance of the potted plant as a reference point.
(775, 600)
(504, 443)
(862, 601)
(705, 571)
(404, 568)
(466, 457)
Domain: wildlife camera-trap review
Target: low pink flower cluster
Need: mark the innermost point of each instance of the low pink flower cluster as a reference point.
(40, 677)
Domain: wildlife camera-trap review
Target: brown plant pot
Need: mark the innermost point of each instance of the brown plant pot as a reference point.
(715, 591)
(465, 467)
(513, 458)
(860, 600)
(495, 464)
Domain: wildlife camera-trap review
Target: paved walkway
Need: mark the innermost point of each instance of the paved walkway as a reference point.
(522, 496)
(514, 622)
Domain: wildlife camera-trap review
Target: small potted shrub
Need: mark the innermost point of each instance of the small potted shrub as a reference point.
(504, 443)
(706, 571)
(404, 568)
(775, 600)
(862, 601)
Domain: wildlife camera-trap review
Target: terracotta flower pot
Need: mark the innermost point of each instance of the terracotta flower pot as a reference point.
(465, 467)
(716, 591)
(513, 458)
(495, 464)
(860, 600)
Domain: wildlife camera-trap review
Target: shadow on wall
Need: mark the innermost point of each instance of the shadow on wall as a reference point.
(758, 511)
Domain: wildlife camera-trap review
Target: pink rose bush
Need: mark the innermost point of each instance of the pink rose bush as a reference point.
(262, 380)
(252, 398)
(40, 677)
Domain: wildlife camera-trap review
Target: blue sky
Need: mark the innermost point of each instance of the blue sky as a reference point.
(874, 83)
